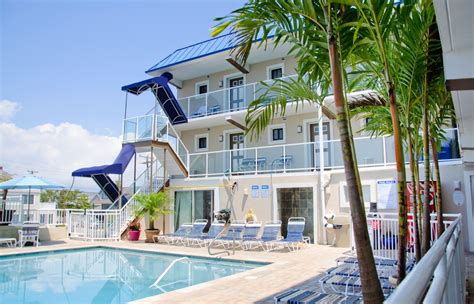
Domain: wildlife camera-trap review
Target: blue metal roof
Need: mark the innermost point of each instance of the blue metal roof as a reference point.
(198, 50)
(194, 51)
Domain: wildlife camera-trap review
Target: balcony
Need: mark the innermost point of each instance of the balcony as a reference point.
(305, 157)
(154, 127)
(225, 100)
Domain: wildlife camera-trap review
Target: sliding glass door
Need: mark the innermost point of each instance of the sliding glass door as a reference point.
(192, 205)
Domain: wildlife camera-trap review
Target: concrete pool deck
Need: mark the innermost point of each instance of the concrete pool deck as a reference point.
(287, 270)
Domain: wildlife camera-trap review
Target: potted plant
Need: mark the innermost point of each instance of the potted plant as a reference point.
(134, 231)
(154, 205)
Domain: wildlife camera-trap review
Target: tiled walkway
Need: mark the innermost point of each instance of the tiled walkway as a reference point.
(470, 277)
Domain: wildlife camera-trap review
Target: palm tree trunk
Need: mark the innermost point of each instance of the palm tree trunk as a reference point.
(401, 185)
(418, 196)
(414, 199)
(426, 240)
(371, 290)
(439, 199)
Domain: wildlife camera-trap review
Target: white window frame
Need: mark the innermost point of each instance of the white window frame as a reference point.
(344, 201)
(196, 142)
(270, 134)
(227, 77)
(273, 67)
(200, 83)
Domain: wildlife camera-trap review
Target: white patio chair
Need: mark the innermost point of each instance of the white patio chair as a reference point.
(29, 232)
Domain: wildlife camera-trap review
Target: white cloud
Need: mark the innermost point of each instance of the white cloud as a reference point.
(55, 151)
(8, 109)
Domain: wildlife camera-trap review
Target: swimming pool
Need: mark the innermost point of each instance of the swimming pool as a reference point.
(104, 275)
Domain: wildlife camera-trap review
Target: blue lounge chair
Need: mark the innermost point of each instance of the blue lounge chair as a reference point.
(298, 296)
(250, 233)
(196, 231)
(270, 234)
(383, 271)
(347, 285)
(216, 228)
(294, 237)
(235, 233)
(378, 261)
(170, 238)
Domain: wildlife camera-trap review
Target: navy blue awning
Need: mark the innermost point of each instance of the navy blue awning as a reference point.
(117, 167)
(161, 90)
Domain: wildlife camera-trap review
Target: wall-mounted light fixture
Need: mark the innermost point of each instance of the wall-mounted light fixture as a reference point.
(299, 129)
(221, 138)
(221, 84)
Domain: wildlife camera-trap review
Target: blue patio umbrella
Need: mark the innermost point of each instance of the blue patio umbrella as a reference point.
(30, 182)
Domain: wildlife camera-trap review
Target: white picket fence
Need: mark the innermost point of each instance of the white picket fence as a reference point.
(383, 233)
(101, 225)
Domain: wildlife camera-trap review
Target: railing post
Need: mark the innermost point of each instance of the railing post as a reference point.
(207, 164)
(384, 148)
(207, 105)
(284, 159)
(256, 160)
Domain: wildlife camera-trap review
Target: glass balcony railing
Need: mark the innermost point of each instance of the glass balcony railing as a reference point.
(154, 127)
(304, 157)
(223, 101)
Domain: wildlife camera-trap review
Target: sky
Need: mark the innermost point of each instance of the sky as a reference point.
(63, 64)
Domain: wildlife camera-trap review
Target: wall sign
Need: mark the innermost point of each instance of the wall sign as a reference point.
(387, 194)
(255, 191)
(265, 191)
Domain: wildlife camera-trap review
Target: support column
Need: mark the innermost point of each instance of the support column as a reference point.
(322, 191)
(151, 169)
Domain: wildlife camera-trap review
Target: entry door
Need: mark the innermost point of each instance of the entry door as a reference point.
(296, 202)
(314, 137)
(236, 93)
(236, 143)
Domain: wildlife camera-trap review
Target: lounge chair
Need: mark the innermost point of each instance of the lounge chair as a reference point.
(196, 231)
(170, 238)
(29, 232)
(297, 296)
(215, 230)
(270, 234)
(235, 233)
(347, 285)
(383, 271)
(378, 261)
(10, 242)
(294, 237)
(251, 232)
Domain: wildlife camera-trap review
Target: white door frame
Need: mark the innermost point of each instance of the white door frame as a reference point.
(469, 208)
(315, 203)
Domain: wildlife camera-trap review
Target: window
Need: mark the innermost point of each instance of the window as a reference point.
(275, 71)
(193, 205)
(368, 191)
(25, 200)
(202, 87)
(201, 142)
(276, 134)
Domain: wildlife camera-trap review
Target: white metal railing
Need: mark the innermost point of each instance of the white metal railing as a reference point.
(155, 127)
(370, 151)
(439, 277)
(383, 233)
(97, 225)
(225, 100)
(12, 212)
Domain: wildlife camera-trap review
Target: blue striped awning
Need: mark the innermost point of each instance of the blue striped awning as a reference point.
(160, 88)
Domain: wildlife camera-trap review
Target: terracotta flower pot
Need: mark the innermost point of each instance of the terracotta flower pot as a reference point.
(150, 233)
(133, 235)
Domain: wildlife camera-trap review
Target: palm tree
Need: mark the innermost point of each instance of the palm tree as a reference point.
(319, 40)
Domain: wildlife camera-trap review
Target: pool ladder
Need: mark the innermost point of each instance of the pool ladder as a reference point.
(155, 285)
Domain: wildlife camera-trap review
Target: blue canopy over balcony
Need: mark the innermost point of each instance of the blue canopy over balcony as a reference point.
(160, 88)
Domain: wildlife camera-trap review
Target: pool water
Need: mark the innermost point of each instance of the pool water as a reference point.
(103, 275)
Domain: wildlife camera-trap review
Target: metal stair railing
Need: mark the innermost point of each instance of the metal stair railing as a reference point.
(155, 284)
(209, 247)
